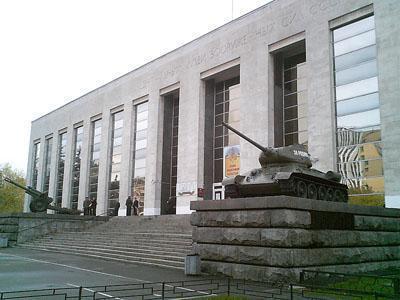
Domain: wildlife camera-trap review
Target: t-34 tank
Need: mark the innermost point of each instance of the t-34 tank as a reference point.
(285, 171)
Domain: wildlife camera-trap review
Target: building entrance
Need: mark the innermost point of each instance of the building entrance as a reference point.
(222, 148)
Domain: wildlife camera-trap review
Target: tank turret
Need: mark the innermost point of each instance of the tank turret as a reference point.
(285, 171)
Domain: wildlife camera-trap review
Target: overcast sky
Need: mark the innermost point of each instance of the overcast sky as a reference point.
(54, 51)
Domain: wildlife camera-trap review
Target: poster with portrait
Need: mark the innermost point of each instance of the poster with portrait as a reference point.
(231, 160)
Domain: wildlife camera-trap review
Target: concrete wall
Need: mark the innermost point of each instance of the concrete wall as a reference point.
(19, 228)
(274, 238)
(248, 41)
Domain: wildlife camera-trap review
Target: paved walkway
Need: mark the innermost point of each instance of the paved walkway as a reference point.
(25, 269)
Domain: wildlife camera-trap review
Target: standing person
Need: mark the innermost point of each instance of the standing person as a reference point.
(135, 207)
(129, 204)
(93, 205)
(116, 208)
(86, 205)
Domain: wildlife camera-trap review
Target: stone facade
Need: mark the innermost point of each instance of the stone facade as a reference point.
(274, 238)
(250, 43)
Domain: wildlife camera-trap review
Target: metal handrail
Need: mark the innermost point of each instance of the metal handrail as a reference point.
(194, 288)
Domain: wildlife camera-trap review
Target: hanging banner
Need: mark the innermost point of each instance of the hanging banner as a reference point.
(231, 160)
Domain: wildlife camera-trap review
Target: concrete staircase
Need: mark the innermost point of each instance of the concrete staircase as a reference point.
(152, 240)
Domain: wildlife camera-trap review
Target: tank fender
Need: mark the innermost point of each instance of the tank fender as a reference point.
(282, 175)
(334, 176)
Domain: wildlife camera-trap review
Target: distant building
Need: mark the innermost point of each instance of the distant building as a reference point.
(323, 73)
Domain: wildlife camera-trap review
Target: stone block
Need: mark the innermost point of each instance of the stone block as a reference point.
(232, 218)
(8, 228)
(8, 221)
(376, 223)
(252, 218)
(281, 237)
(286, 275)
(10, 236)
(290, 218)
(292, 203)
(250, 272)
(335, 256)
(280, 257)
(215, 235)
(293, 237)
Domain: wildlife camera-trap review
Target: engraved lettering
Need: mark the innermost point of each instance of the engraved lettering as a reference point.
(288, 19)
(323, 5)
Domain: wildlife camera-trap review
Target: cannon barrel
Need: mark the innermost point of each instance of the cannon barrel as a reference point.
(29, 190)
(263, 149)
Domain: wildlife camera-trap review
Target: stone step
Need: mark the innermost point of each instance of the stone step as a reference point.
(118, 240)
(155, 240)
(135, 234)
(168, 227)
(137, 252)
(126, 259)
(129, 248)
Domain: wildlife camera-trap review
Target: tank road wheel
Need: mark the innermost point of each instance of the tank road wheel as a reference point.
(312, 191)
(329, 194)
(321, 192)
(301, 189)
(338, 196)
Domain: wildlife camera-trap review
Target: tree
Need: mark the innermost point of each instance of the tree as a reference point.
(11, 197)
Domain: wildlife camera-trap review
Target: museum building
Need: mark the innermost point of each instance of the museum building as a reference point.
(322, 73)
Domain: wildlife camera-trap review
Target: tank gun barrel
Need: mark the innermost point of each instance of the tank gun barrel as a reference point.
(264, 149)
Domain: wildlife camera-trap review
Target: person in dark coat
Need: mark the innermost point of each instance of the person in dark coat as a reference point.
(116, 208)
(86, 206)
(93, 206)
(135, 207)
(129, 204)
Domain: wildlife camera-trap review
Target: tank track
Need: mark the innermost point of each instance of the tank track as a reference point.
(300, 186)
(308, 187)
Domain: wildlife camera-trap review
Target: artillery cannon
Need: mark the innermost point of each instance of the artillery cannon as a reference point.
(41, 202)
(285, 171)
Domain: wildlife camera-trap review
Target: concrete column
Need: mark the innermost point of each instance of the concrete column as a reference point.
(126, 166)
(254, 103)
(388, 45)
(66, 201)
(27, 199)
(189, 135)
(53, 165)
(321, 110)
(40, 164)
(104, 166)
(152, 198)
(84, 172)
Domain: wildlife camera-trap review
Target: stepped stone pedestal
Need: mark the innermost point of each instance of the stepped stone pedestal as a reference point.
(274, 238)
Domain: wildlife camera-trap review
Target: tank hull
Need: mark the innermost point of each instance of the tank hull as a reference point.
(306, 183)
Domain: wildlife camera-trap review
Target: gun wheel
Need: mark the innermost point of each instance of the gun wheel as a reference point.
(38, 206)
